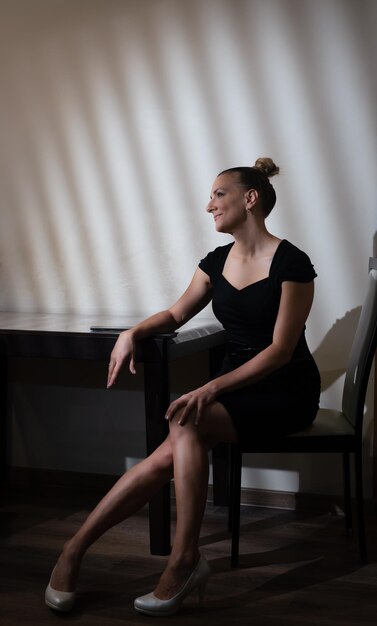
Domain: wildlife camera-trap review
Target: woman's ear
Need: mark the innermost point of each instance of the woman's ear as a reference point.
(251, 198)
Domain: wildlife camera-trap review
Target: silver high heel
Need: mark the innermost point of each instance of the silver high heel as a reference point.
(59, 600)
(151, 605)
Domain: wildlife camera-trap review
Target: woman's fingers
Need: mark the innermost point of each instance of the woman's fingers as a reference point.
(184, 415)
(113, 372)
(198, 416)
(132, 364)
(115, 366)
(188, 405)
(110, 372)
(174, 407)
(192, 406)
(123, 352)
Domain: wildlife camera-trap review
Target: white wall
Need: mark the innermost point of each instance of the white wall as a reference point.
(116, 115)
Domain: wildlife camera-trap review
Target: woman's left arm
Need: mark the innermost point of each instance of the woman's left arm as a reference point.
(295, 304)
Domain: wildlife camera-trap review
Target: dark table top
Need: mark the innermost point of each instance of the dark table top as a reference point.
(34, 333)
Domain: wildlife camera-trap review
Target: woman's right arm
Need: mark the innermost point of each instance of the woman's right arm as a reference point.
(193, 300)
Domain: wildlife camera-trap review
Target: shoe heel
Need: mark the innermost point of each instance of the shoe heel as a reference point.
(201, 591)
(150, 605)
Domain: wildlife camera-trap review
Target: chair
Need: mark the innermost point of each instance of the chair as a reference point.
(332, 431)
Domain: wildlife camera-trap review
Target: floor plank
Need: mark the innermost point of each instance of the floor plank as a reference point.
(296, 569)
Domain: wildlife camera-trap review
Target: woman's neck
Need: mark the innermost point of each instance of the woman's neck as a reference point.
(254, 241)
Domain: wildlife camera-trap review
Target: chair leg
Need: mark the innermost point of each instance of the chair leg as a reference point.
(360, 504)
(347, 493)
(234, 465)
(235, 502)
(220, 473)
(231, 490)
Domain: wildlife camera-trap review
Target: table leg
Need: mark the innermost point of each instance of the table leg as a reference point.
(220, 454)
(157, 398)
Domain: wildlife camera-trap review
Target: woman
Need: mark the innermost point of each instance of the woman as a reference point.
(261, 288)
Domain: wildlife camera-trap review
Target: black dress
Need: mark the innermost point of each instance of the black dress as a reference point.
(285, 400)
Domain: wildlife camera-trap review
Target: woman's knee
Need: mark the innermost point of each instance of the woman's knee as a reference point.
(177, 430)
(214, 427)
(162, 457)
(202, 431)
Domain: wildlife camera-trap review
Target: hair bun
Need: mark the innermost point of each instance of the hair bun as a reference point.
(267, 166)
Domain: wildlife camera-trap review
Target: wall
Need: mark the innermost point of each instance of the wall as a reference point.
(115, 116)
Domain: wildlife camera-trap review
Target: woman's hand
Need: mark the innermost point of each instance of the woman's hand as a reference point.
(192, 404)
(124, 351)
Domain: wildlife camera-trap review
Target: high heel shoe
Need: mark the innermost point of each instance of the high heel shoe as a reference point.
(59, 600)
(151, 605)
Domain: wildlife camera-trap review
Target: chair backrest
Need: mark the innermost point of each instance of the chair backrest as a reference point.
(361, 355)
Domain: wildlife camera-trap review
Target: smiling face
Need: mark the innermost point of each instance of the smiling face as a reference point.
(228, 203)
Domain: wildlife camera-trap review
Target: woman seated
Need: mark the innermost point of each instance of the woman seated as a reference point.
(261, 289)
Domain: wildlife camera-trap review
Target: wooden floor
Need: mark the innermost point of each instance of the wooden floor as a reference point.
(296, 568)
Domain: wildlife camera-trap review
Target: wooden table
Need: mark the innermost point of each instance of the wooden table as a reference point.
(29, 335)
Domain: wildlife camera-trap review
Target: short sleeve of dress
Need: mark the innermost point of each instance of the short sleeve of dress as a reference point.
(206, 264)
(213, 263)
(295, 265)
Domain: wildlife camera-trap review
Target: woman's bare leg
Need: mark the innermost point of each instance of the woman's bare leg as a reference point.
(190, 446)
(131, 492)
